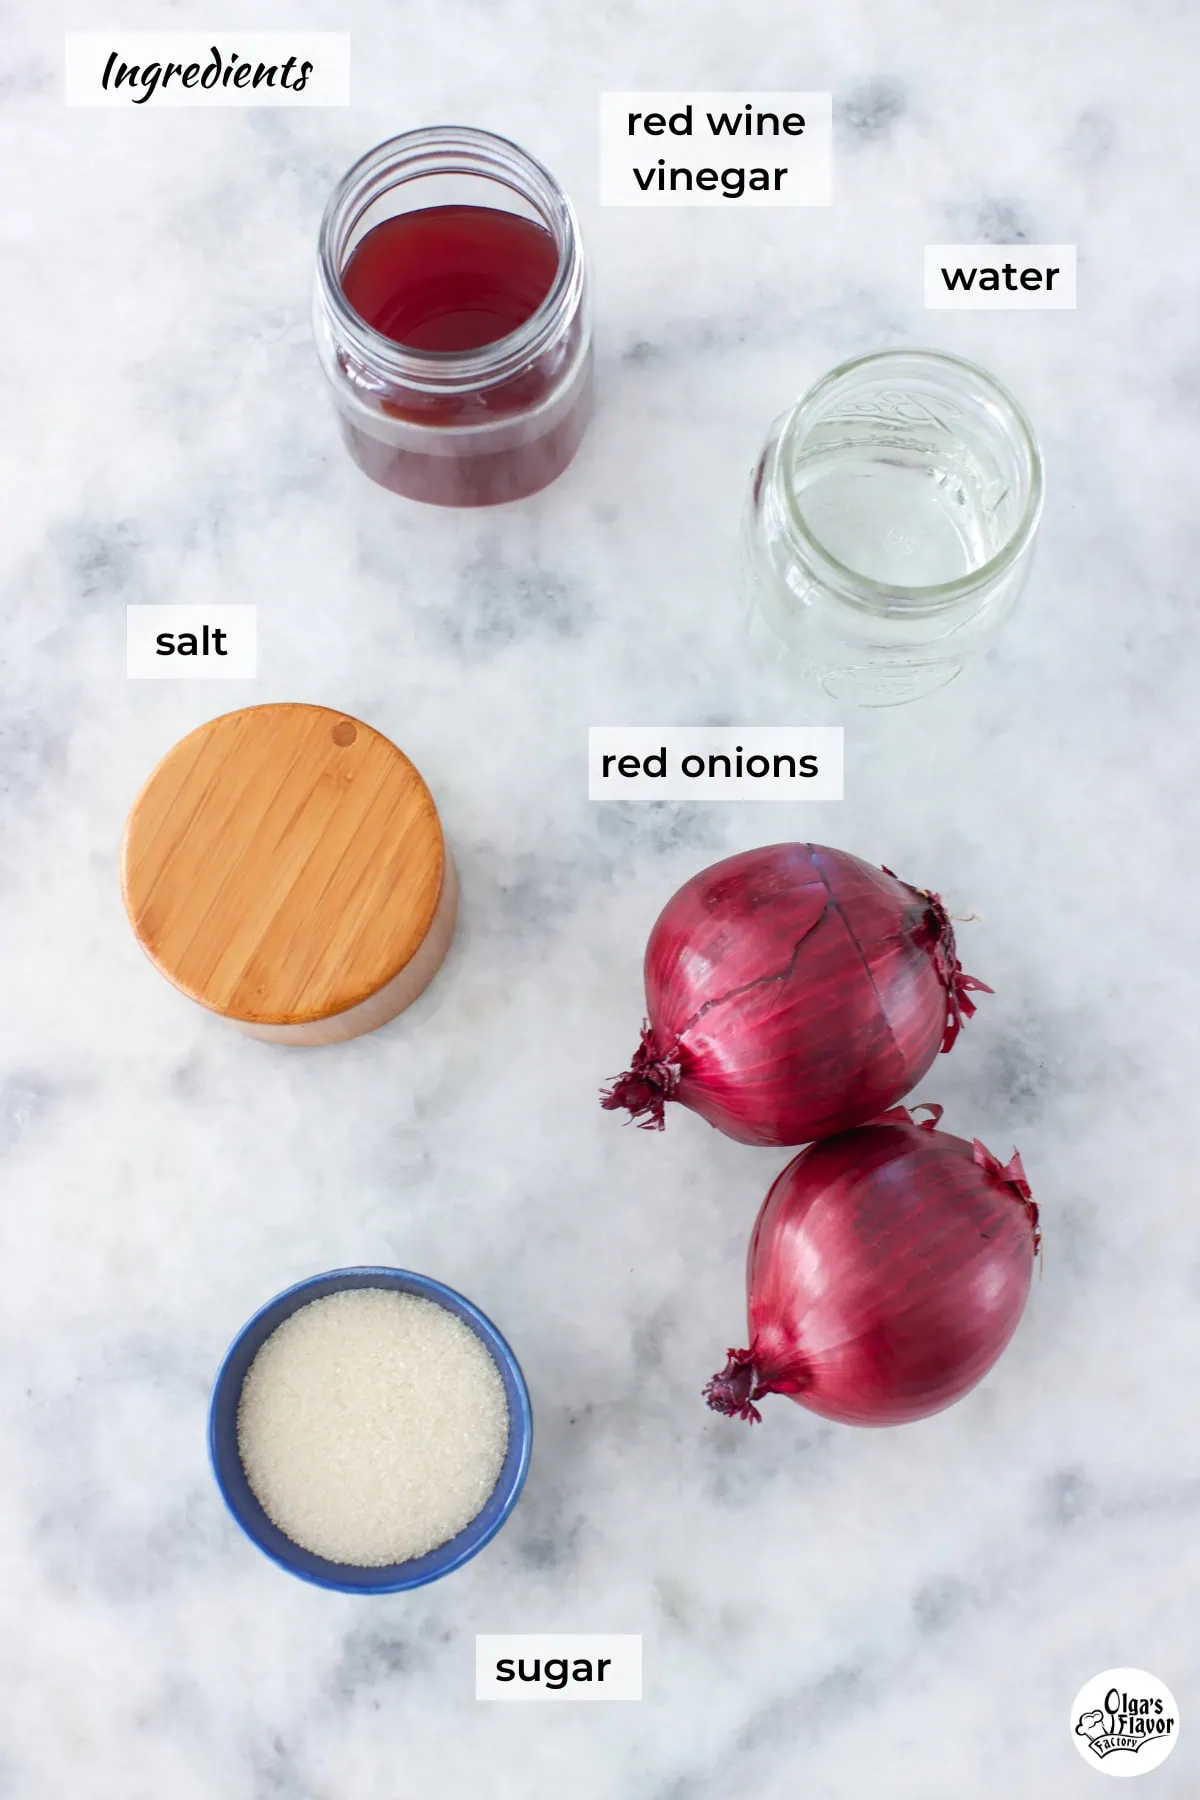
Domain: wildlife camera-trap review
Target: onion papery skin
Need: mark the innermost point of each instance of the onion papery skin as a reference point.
(888, 1269)
(793, 991)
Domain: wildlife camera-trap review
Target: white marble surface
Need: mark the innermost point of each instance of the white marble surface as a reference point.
(827, 1613)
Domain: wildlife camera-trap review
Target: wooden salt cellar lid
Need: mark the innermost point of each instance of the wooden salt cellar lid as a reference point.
(284, 866)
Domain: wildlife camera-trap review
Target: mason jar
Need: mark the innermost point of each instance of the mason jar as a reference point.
(451, 318)
(890, 525)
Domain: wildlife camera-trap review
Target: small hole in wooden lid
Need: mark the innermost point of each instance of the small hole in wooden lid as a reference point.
(344, 733)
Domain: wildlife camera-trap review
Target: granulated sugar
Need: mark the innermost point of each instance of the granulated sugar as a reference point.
(372, 1426)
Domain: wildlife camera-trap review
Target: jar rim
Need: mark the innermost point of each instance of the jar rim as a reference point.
(853, 583)
(449, 150)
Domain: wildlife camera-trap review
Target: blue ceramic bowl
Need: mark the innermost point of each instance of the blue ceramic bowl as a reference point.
(348, 1578)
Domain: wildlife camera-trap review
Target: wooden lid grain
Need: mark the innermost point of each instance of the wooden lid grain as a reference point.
(282, 863)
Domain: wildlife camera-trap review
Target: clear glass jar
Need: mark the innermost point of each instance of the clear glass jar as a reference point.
(890, 525)
(467, 426)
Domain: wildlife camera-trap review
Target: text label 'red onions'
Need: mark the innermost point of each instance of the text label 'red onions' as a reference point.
(710, 762)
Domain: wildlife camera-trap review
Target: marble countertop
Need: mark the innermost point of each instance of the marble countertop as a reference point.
(901, 1614)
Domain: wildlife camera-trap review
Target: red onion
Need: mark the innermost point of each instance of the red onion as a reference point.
(888, 1269)
(793, 991)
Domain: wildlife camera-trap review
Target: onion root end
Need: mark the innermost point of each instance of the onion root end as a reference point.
(646, 1086)
(734, 1391)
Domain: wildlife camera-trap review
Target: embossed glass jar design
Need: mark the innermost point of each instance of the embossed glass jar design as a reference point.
(890, 525)
(451, 317)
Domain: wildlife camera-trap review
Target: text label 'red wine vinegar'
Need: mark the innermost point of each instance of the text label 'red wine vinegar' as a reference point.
(733, 149)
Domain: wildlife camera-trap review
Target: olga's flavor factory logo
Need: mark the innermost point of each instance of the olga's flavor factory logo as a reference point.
(1125, 1722)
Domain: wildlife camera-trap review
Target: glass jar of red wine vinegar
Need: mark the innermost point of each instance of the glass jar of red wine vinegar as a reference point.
(451, 318)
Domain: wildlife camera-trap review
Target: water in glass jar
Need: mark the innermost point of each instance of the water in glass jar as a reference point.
(901, 518)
